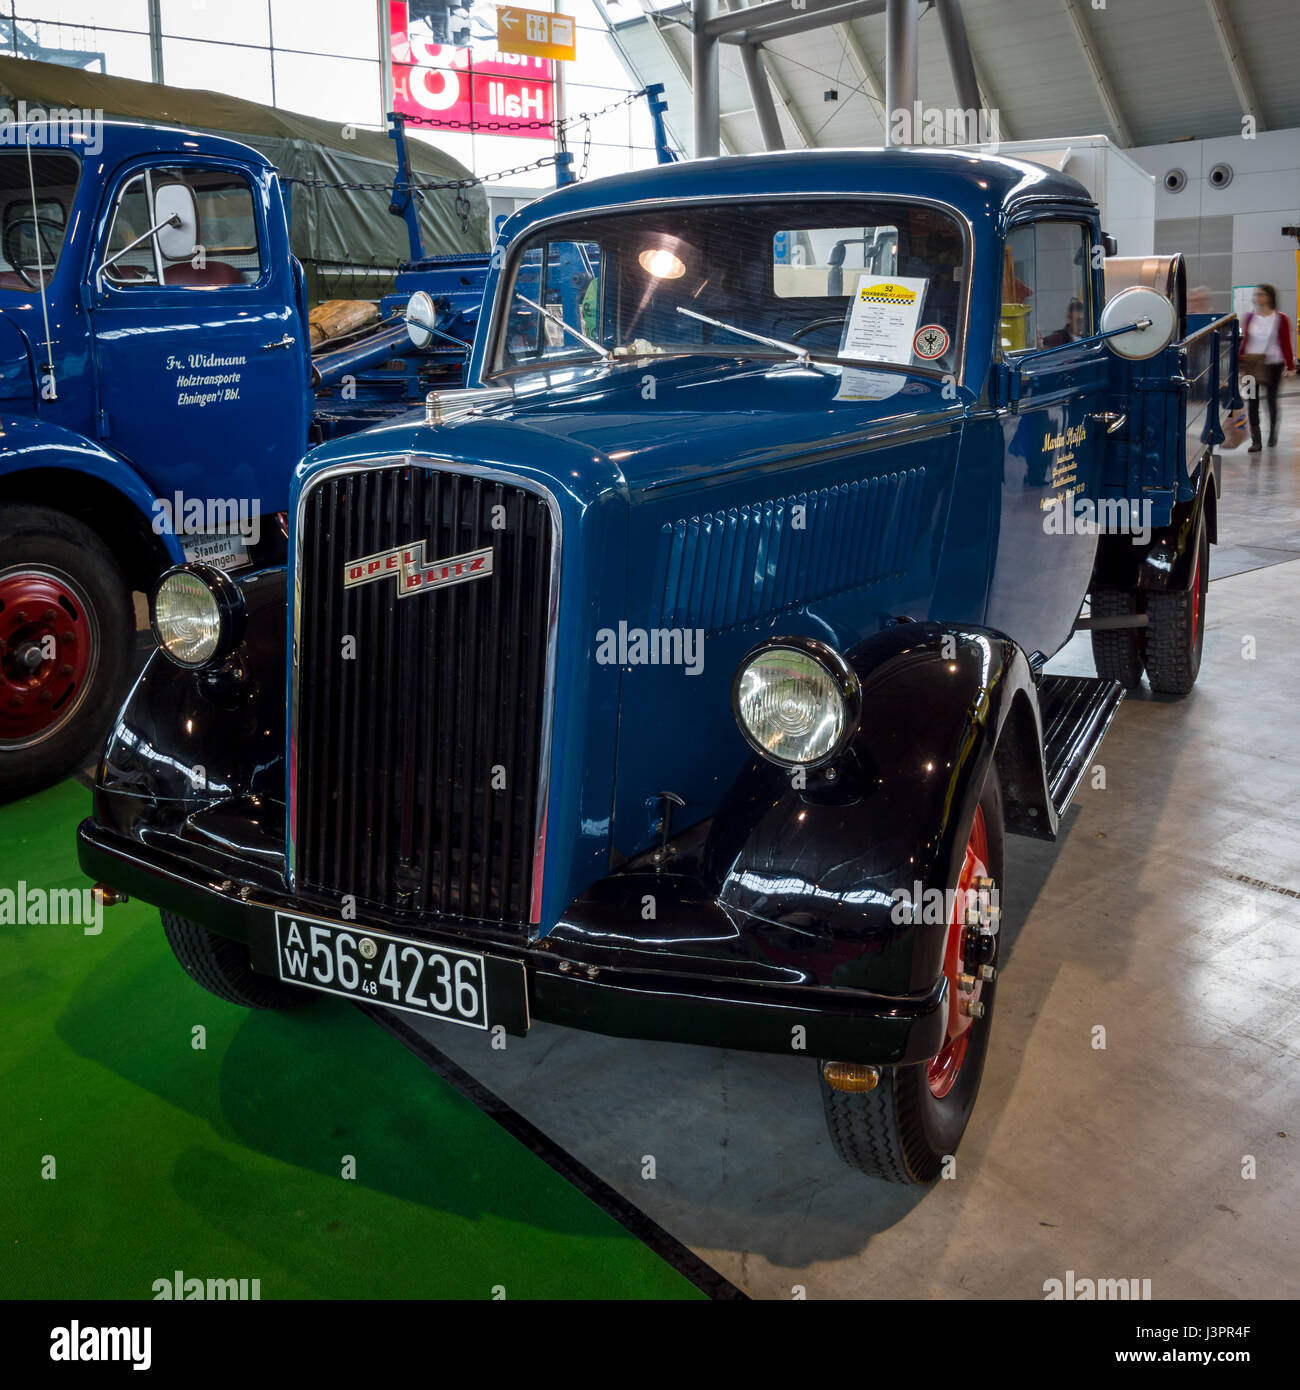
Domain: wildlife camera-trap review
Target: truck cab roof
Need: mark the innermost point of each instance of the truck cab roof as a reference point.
(123, 139)
(978, 185)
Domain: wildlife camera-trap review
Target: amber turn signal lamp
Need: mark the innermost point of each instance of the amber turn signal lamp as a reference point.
(851, 1077)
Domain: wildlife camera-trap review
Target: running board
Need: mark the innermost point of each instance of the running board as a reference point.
(1076, 712)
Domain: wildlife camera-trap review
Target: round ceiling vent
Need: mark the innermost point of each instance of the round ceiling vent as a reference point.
(1221, 176)
(1175, 181)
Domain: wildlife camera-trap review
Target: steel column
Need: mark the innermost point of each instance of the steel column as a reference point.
(900, 71)
(704, 80)
(761, 93)
(953, 24)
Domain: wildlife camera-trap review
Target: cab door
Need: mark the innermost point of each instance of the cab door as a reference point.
(1052, 436)
(200, 358)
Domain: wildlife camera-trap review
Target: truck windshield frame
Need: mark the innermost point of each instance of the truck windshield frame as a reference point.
(735, 259)
(57, 177)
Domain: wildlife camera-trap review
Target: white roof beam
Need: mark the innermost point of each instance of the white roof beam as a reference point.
(1118, 124)
(1227, 37)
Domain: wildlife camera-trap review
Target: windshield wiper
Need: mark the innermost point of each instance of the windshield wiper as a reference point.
(801, 355)
(605, 354)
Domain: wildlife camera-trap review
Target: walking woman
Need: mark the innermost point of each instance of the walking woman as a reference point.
(1266, 355)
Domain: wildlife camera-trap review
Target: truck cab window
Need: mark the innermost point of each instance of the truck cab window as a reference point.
(32, 232)
(850, 280)
(226, 236)
(1045, 279)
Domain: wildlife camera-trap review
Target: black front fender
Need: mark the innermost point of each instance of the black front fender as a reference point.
(824, 861)
(199, 755)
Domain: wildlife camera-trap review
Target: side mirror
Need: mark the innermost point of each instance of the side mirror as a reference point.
(1109, 244)
(421, 316)
(176, 215)
(1152, 318)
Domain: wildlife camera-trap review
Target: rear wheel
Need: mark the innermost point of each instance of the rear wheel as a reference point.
(221, 967)
(66, 629)
(1117, 652)
(916, 1115)
(1175, 631)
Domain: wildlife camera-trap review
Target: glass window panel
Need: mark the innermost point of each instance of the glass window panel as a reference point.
(218, 67)
(244, 20)
(336, 89)
(341, 27)
(110, 14)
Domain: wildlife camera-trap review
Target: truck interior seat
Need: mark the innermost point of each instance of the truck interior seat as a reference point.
(212, 275)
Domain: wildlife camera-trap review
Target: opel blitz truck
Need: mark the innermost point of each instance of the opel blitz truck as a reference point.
(157, 388)
(682, 677)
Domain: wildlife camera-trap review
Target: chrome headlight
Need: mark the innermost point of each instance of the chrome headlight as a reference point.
(197, 614)
(796, 700)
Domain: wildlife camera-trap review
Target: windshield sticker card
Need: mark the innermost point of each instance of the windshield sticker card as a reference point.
(859, 385)
(882, 318)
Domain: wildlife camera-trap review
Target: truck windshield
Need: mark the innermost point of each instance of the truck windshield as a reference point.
(32, 230)
(853, 281)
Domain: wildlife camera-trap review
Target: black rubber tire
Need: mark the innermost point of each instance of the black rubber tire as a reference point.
(221, 966)
(1172, 641)
(37, 538)
(901, 1131)
(1117, 652)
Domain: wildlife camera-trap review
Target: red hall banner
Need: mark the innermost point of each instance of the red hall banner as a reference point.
(444, 83)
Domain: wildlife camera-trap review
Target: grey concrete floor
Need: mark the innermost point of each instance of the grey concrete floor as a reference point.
(1166, 915)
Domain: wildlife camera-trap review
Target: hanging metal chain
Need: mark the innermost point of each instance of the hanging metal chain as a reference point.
(416, 185)
(460, 185)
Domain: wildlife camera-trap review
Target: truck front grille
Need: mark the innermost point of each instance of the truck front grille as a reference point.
(421, 719)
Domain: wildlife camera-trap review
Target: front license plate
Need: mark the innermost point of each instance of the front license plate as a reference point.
(394, 971)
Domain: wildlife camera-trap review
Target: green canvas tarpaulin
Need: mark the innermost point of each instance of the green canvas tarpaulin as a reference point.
(349, 227)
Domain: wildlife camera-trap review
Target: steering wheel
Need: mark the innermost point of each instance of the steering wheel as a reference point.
(836, 319)
(11, 234)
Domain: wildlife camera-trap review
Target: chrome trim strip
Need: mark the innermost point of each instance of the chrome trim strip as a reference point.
(552, 635)
(511, 267)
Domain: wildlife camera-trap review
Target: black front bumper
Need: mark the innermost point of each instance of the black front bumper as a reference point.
(789, 1020)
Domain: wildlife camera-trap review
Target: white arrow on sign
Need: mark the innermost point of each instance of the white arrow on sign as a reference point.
(507, 19)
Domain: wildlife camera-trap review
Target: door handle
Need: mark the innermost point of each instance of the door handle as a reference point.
(1112, 419)
(287, 341)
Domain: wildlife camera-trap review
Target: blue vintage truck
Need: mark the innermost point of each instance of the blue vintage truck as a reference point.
(681, 678)
(157, 388)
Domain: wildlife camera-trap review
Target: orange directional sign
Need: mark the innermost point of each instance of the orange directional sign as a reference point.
(536, 33)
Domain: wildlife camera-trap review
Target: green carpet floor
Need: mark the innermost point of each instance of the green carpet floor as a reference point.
(226, 1162)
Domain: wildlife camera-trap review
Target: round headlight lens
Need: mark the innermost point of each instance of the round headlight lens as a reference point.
(796, 704)
(187, 618)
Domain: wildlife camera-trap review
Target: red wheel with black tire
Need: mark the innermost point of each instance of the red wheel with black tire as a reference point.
(905, 1127)
(66, 632)
(1174, 637)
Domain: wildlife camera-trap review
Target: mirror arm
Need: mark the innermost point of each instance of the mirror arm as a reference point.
(173, 221)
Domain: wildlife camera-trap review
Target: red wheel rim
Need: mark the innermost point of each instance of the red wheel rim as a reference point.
(944, 1069)
(48, 652)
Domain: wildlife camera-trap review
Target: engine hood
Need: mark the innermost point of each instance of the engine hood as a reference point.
(663, 422)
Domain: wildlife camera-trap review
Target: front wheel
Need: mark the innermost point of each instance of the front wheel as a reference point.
(221, 967)
(1175, 631)
(916, 1115)
(66, 629)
